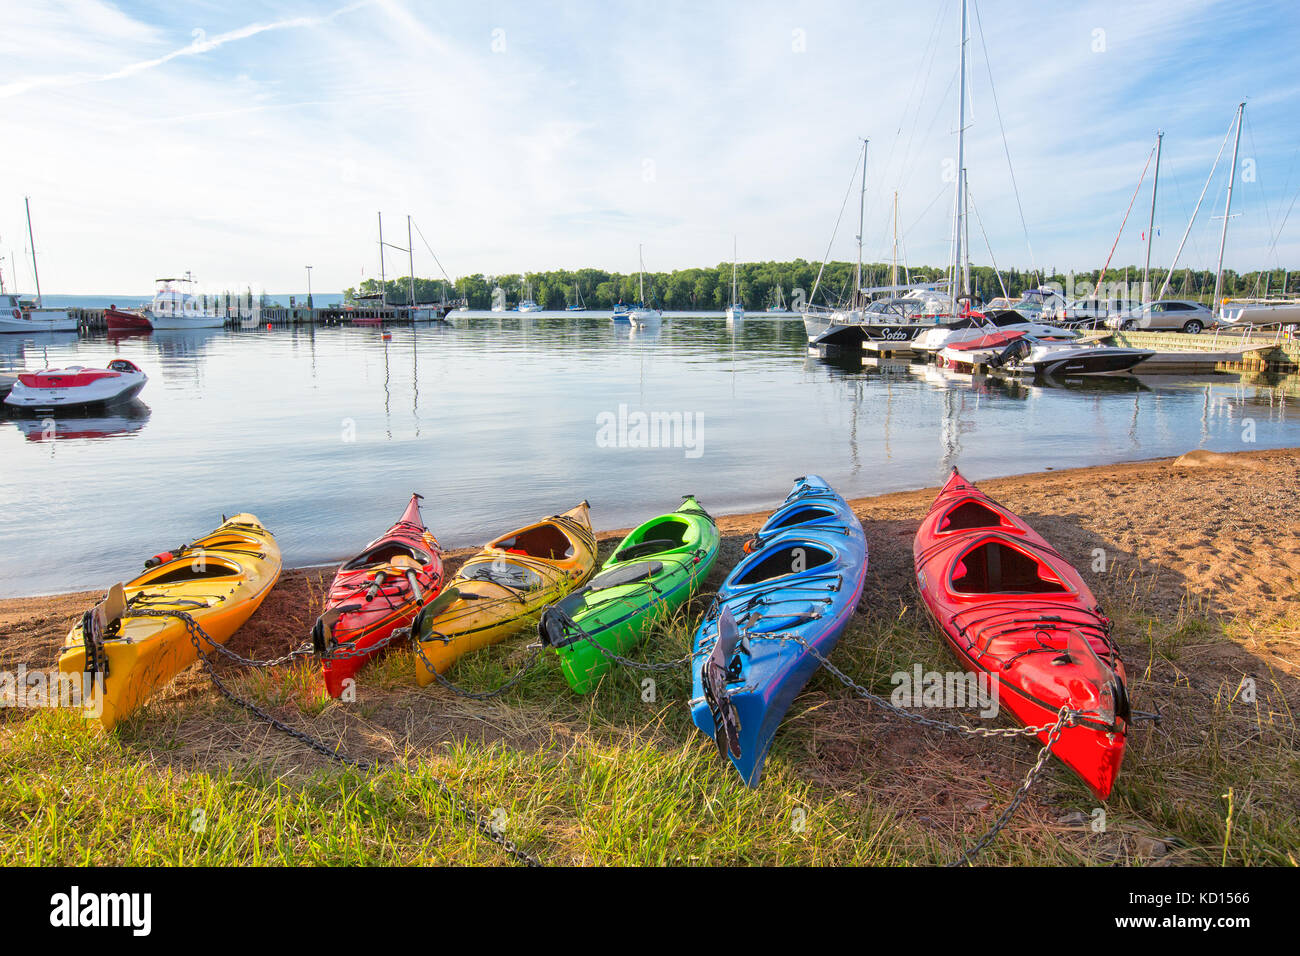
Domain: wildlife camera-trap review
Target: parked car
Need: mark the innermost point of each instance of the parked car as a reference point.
(1166, 314)
(1089, 312)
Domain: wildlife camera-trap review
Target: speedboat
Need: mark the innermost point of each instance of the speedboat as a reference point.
(1057, 359)
(77, 387)
(979, 325)
(19, 316)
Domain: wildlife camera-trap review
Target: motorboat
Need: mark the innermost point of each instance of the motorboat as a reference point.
(77, 387)
(126, 320)
(175, 306)
(1026, 356)
(978, 325)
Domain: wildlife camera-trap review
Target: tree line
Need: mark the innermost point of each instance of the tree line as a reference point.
(763, 285)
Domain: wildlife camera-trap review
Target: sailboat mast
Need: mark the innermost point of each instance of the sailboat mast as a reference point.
(640, 256)
(893, 269)
(1227, 212)
(383, 282)
(959, 203)
(410, 251)
(1151, 223)
(862, 204)
(32, 242)
(733, 270)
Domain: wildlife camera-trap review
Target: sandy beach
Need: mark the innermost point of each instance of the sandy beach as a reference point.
(1202, 557)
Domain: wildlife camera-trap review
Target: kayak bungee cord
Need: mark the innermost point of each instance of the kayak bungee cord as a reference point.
(467, 811)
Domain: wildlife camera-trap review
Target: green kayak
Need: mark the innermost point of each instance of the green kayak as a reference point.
(652, 573)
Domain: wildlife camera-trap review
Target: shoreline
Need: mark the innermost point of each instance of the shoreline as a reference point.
(741, 521)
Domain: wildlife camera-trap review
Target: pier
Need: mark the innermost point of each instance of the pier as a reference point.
(236, 317)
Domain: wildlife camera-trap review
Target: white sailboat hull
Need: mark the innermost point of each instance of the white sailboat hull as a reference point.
(39, 320)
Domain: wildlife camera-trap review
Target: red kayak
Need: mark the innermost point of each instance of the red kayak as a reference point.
(120, 320)
(1011, 607)
(379, 590)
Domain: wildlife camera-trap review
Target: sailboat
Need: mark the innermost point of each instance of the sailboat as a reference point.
(735, 311)
(578, 304)
(902, 319)
(779, 305)
(526, 304)
(18, 316)
(639, 314)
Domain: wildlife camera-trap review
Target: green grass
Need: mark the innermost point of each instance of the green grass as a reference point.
(616, 778)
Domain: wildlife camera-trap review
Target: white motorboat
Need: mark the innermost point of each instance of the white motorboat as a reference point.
(77, 387)
(939, 337)
(175, 306)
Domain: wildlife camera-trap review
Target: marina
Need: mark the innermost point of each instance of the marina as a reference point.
(955, 523)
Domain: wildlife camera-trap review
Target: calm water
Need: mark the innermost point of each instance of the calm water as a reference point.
(323, 433)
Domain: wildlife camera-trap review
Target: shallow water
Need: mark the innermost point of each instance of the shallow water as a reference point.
(502, 419)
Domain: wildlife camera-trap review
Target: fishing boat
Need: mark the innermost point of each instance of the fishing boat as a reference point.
(792, 594)
(735, 311)
(372, 594)
(219, 580)
(650, 576)
(1013, 609)
(125, 320)
(175, 306)
(17, 315)
(76, 387)
(502, 589)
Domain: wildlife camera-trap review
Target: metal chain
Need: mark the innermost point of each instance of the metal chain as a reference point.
(885, 704)
(1064, 719)
(460, 806)
(484, 694)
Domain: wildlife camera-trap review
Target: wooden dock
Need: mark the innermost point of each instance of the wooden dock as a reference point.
(92, 320)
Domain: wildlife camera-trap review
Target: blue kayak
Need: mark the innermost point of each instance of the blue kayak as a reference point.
(800, 581)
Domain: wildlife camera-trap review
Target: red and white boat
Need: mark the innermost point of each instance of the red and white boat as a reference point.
(77, 387)
(379, 590)
(1013, 609)
(123, 320)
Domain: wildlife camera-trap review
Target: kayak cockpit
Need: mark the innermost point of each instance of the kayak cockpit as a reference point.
(666, 534)
(201, 567)
(507, 574)
(385, 552)
(792, 558)
(803, 514)
(544, 541)
(972, 515)
(997, 567)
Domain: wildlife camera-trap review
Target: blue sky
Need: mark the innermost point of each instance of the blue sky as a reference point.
(244, 141)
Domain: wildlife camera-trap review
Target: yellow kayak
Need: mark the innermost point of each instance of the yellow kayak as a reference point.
(504, 587)
(219, 580)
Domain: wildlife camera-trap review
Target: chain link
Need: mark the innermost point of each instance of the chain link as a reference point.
(473, 694)
(460, 806)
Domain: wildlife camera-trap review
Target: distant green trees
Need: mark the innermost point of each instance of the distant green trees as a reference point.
(709, 288)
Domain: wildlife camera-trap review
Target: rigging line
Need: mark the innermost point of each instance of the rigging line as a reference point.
(1006, 147)
(1268, 217)
(431, 252)
(924, 70)
(1141, 179)
(980, 221)
(848, 192)
(1174, 265)
(934, 121)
